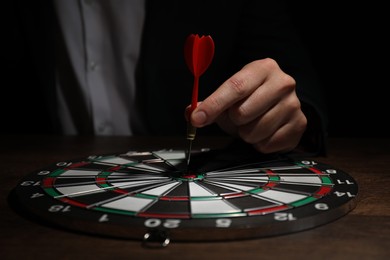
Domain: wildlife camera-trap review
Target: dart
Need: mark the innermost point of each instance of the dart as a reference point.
(198, 54)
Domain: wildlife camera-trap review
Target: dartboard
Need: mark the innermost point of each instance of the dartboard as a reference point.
(154, 196)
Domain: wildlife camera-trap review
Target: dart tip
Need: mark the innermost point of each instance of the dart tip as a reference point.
(191, 132)
(188, 154)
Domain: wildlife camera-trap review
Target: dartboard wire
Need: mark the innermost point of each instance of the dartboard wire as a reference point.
(254, 167)
(233, 188)
(152, 185)
(156, 159)
(127, 186)
(123, 166)
(239, 183)
(279, 202)
(95, 180)
(306, 183)
(233, 170)
(70, 199)
(100, 181)
(143, 212)
(134, 194)
(102, 202)
(157, 198)
(103, 163)
(276, 181)
(99, 173)
(246, 178)
(257, 171)
(275, 207)
(113, 177)
(99, 187)
(307, 196)
(234, 211)
(235, 193)
(132, 164)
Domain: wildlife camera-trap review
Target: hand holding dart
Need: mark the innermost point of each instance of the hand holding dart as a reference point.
(198, 53)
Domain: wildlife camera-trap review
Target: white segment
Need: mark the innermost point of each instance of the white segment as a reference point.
(170, 155)
(253, 170)
(127, 184)
(301, 179)
(288, 167)
(235, 187)
(197, 191)
(129, 177)
(160, 190)
(129, 203)
(175, 162)
(244, 178)
(79, 173)
(116, 160)
(73, 191)
(211, 206)
(146, 167)
(281, 196)
(135, 153)
(119, 174)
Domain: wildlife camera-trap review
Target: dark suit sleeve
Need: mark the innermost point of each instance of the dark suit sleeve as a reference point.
(267, 30)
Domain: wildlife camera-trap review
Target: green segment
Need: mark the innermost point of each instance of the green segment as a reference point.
(105, 185)
(116, 211)
(205, 198)
(104, 174)
(145, 196)
(326, 180)
(255, 191)
(303, 201)
(57, 172)
(52, 192)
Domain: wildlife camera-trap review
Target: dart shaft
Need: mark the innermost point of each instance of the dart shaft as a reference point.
(188, 154)
(191, 133)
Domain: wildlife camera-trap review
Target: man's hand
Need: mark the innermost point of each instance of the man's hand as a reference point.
(259, 104)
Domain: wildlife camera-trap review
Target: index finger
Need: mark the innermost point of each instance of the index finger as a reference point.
(236, 88)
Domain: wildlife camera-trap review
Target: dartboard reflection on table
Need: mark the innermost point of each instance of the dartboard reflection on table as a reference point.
(152, 195)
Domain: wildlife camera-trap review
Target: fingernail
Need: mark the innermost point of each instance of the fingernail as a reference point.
(199, 117)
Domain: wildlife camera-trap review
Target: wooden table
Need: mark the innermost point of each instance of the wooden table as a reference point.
(364, 233)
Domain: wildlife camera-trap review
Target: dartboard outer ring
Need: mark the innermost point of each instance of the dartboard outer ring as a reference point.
(222, 197)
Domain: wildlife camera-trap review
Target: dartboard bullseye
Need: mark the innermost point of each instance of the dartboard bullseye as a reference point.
(223, 196)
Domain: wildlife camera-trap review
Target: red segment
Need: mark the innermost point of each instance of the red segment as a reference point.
(269, 185)
(315, 170)
(267, 210)
(73, 202)
(48, 182)
(323, 191)
(101, 180)
(76, 165)
(270, 172)
(235, 195)
(120, 191)
(115, 168)
(189, 176)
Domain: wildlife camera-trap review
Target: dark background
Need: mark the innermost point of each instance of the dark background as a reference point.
(350, 49)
